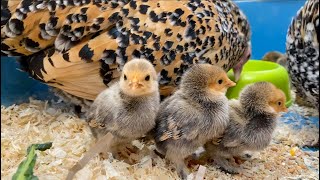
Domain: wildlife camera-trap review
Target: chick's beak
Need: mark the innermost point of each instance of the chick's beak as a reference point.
(134, 84)
(230, 83)
(285, 109)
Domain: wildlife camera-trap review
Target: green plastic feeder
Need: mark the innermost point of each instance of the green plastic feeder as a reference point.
(256, 71)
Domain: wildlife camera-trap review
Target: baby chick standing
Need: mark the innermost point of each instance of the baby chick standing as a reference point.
(252, 121)
(128, 108)
(195, 113)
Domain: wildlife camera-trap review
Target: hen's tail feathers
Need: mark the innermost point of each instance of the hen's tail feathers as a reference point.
(23, 63)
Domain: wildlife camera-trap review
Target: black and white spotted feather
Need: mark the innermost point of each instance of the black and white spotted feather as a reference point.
(302, 49)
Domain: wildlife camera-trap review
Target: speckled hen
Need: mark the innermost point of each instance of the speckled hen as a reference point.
(80, 46)
(302, 49)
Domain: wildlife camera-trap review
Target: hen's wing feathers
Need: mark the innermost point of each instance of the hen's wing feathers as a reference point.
(75, 71)
(7, 9)
(87, 20)
(34, 26)
(171, 34)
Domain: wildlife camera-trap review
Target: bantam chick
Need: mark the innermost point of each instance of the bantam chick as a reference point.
(128, 108)
(276, 57)
(252, 121)
(195, 113)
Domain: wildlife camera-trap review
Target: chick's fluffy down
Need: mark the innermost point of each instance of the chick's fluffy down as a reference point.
(127, 116)
(195, 113)
(252, 121)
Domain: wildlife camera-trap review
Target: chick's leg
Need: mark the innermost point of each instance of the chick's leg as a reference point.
(244, 156)
(123, 149)
(181, 167)
(224, 165)
(114, 151)
(220, 157)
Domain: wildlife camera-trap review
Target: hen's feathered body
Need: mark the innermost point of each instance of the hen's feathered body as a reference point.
(81, 46)
(302, 49)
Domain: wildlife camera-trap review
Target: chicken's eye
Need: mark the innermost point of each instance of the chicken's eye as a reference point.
(279, 103)
(220, 81)
(147, 78)
(124, 77)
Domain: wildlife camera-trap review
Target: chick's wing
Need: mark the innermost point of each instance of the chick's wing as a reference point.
(177, 120)
(233, 135)
(103, 112)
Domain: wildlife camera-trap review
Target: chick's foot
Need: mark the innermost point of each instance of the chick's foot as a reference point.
(225, 166)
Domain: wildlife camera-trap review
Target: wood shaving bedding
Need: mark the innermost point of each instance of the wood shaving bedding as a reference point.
(38, 122)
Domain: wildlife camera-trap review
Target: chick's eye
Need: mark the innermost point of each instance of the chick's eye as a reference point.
(279, 103)
(147, 78)
(220, 81)
(124, 77)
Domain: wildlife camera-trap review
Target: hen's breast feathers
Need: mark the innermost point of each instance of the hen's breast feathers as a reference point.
(302, 49)
(100, 36)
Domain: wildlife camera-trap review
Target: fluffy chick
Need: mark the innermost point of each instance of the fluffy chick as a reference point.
(128, 108)
(252, 121)
(195, 113)
(276, 57)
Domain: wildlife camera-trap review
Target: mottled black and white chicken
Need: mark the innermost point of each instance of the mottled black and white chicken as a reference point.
(302, 51)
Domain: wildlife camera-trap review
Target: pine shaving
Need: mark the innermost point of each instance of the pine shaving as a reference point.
(201, 172)
(42, 121)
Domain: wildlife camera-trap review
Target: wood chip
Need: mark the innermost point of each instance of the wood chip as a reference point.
(201, 172)
(27, 123)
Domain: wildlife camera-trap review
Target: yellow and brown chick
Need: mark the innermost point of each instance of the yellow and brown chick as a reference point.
(196, 112)
(128, 108)
(253, 119)
(80, 46)
(277, 57)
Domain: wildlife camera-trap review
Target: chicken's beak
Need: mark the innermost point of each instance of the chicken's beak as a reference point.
(230, 83)
(243, 60)
(134, 84)
(285, 109)
(237, 72)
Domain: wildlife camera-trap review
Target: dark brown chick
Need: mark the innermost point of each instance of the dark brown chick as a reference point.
(195, 113)
(276, 57)
(252, 122)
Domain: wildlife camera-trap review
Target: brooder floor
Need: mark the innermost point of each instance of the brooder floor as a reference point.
(39, 122)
